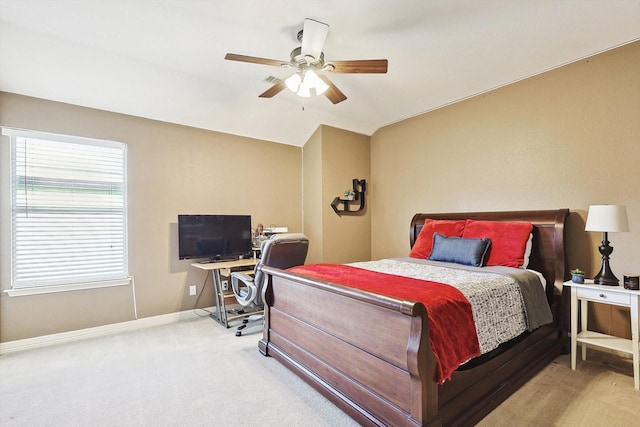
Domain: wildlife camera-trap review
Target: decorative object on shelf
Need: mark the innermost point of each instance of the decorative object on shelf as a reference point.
(349, 194)
(632, 281)
(341, 205)
(577, 275)
(607, 219)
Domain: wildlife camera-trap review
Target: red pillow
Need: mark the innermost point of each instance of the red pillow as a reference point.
(508, 240)
(424, 243)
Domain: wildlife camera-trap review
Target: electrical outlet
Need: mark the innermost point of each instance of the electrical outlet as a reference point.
(192, 290)
(225, 285)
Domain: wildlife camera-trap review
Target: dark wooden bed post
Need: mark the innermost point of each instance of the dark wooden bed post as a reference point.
(421, 364)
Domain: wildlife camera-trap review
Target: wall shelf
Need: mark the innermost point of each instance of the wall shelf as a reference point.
(341, 206)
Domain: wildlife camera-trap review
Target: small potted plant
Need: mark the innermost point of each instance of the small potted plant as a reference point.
(350, 194)
(577, 275)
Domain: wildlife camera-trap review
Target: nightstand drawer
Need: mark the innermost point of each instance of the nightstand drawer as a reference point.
(604, 296)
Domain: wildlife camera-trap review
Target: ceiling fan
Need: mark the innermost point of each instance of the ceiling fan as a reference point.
(307, 60)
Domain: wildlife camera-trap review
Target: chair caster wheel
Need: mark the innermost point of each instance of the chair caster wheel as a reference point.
(239, 333)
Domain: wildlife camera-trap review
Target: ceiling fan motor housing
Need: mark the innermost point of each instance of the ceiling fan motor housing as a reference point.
(306, 61)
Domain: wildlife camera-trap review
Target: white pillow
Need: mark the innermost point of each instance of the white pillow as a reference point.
(527, 251)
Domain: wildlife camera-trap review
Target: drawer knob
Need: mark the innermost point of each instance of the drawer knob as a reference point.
(603, 296)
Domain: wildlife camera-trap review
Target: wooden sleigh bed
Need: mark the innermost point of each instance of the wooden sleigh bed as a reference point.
(371, 354)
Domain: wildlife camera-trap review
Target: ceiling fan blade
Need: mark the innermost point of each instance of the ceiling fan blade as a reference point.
(334, 94)
(256, 60)
(273, 90)
(314, 34)
(359, 66)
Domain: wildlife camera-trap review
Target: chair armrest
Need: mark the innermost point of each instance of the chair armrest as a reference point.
(243, 288)
(240, 276)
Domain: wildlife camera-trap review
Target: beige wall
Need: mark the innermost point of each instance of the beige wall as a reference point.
(332, 159)
(172, 169)
(567, 138)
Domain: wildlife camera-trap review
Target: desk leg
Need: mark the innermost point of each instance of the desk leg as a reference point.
(221, 310)
(574, 326)
(635, 338)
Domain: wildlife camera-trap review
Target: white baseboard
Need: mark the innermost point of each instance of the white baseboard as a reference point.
(63, 337)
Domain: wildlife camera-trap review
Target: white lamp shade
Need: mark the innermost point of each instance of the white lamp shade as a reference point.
(304, 90)
(607, 218)
(312, 81)
(293, 82)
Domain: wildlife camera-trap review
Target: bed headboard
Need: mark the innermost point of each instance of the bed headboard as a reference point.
(547, 252)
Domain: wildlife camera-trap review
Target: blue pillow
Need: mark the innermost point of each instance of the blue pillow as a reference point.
(459, 250)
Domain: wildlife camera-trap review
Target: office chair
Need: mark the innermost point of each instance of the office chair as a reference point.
(281, 251)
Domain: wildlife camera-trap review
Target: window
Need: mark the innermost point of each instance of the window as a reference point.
(68, 212)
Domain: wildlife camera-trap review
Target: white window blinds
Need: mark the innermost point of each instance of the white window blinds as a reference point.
(69, 216)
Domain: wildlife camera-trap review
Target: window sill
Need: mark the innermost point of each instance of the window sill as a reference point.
(38, 290)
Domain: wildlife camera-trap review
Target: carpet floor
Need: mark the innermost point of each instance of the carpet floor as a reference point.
(599, 393)
(196, 373)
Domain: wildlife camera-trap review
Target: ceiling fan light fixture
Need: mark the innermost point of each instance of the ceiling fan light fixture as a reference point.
(304, 91)
(296, 84)
(293, 82)
(312, 81)
(305, 86)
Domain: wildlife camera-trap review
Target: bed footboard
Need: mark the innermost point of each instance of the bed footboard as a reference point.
(379, 373)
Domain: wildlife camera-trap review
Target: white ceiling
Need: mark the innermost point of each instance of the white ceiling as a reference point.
(164, 59)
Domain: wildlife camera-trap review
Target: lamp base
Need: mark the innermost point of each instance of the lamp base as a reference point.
(606, 281)
(605, 276)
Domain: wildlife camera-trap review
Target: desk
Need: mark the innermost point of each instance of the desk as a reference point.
(614, 295)
(217, 270)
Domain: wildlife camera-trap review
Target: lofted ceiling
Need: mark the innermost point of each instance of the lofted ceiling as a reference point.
(164, 59)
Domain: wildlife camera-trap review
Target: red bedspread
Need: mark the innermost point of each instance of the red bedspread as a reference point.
(452, 331)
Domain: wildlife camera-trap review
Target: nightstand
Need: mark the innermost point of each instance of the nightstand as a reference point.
(613, 295)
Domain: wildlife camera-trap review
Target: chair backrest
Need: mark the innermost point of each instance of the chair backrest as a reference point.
(281, 251)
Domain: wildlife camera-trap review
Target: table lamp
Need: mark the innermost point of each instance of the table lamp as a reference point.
(607, 219)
